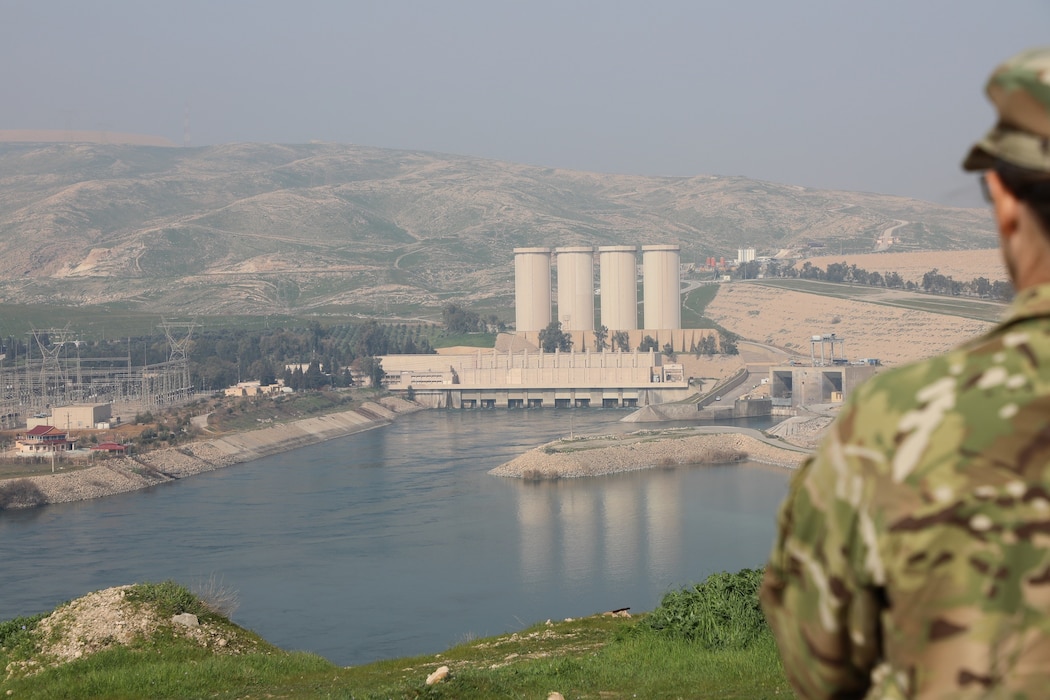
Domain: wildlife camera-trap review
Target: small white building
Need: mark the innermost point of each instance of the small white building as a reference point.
(254, 388)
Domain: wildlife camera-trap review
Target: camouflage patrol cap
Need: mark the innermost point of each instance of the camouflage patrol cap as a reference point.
(1020, 91)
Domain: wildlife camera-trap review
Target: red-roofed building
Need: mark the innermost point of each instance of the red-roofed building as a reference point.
(44, 438)
(113, 448)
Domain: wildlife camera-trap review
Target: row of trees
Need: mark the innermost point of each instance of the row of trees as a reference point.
(726, 344)
(932, 281)
(457, 319)
(223, 357)
(553, 338)
(936, 283)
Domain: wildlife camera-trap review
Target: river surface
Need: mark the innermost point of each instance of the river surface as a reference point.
(396, 542)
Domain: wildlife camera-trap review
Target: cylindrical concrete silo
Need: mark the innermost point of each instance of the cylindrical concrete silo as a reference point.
(619, 287)
(576, 288)
(532, 288)
(661, 287)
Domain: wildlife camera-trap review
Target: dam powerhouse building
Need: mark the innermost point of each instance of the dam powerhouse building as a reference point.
(518, 374)
(521, 376)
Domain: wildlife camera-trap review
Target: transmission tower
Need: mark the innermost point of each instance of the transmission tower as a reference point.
(178, 343)
(175, 383)
(53, 383)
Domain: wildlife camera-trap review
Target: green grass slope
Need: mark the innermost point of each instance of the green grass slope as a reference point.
(708, 641)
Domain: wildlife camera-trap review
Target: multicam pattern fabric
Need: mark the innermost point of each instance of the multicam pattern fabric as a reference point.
(1020, 91)
(913, 558)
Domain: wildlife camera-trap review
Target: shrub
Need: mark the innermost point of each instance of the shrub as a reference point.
(16, 637)
(20, 493)
(168, 597)
(217, 596)
(722, 612)
(11, 630)
(724, 456)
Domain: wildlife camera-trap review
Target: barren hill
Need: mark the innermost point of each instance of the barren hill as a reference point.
(254, 228)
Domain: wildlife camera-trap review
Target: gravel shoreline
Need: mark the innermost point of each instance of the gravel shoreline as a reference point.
(121, 475)
(612, 454)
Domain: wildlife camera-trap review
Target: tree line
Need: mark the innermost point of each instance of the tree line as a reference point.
(458, 319)
(305, 357)
(932, 282)
(318, 355)
(553, 338)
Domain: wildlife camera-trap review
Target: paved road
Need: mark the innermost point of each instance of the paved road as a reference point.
(750, 432)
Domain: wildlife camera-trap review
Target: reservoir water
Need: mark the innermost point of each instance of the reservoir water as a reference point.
(396, 541)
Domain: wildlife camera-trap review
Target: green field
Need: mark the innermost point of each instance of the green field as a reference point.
(471, 340)
(100, 322)
(978, 309)
(695, 303)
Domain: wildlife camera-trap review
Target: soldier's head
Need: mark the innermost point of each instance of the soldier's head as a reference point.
(1014, 156)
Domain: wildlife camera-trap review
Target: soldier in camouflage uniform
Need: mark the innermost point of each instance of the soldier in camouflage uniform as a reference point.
(913, 558)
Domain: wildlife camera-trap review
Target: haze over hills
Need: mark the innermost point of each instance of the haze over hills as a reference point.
(262, 228)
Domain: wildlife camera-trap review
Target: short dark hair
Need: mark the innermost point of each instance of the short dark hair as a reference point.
(1030, 186)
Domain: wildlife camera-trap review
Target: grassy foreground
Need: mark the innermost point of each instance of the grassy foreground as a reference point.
(708, 641)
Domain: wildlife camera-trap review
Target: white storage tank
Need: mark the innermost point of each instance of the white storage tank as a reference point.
(661, 287)
(619, 287)
(532, 288)
(576, 288)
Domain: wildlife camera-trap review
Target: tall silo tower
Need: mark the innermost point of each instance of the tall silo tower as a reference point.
(576, 288)
(532, 288)
(619, 287)
(661, 287)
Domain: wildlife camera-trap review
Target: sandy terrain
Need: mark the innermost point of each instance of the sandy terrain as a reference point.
(960, 265)
(895, 336)
(789, 319)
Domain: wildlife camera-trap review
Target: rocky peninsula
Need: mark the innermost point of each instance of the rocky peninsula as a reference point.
(597, 455)
(134, 472)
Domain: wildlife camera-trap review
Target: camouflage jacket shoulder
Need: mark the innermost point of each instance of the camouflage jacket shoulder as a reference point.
(914, 550)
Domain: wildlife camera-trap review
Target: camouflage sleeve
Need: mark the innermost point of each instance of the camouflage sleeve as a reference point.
(824, 614)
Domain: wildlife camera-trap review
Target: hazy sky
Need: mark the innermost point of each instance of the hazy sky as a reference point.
(876, 96)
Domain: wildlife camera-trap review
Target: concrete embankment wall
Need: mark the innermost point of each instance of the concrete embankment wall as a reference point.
(289, 436)
(690, 412)
(120, 475)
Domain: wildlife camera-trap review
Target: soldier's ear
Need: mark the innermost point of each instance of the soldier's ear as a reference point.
(1007, 206)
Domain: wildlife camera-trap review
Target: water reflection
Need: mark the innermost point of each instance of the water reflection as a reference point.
(614, 526)
(663, 522)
